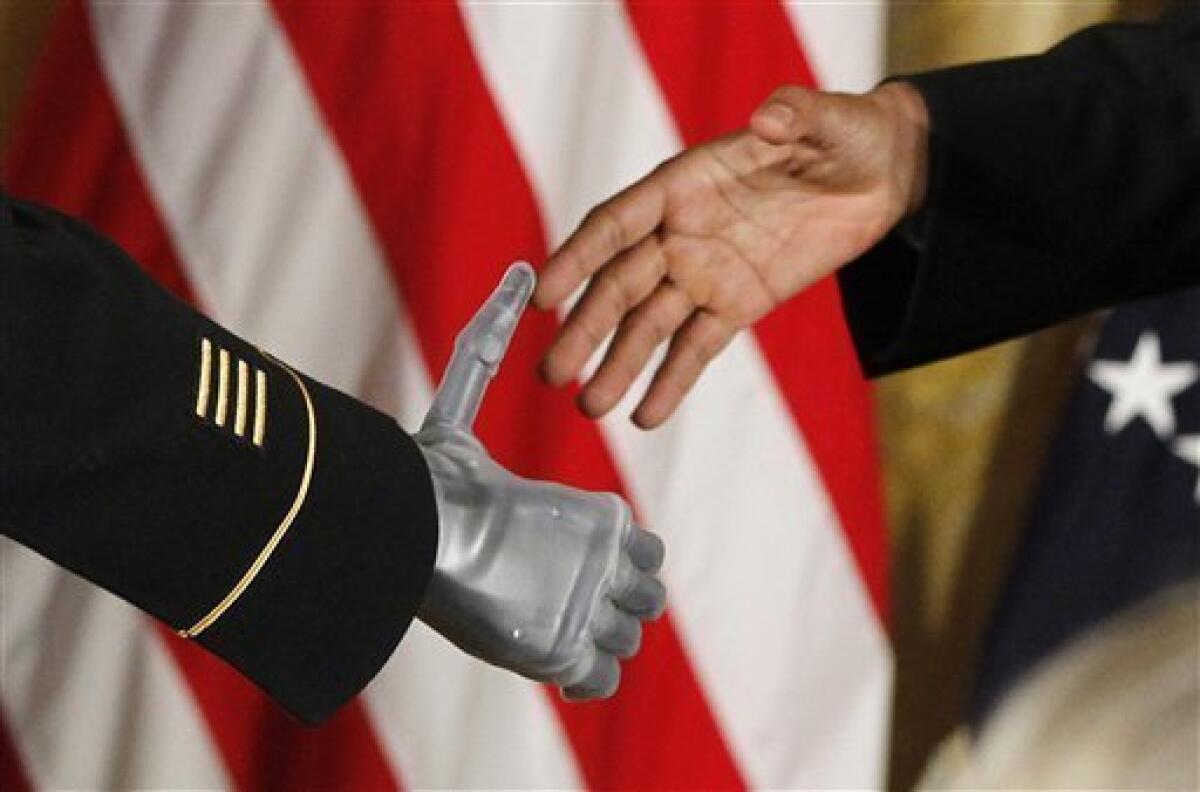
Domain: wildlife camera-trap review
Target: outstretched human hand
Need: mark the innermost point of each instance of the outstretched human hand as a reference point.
(544, 580)
(714, 239)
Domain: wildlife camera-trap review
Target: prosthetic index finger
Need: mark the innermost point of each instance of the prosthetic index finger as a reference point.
(645, 549)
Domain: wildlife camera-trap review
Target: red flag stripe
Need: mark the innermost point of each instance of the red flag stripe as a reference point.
(70, 151)
(13, 777)
(715, 63)
(451, 207)
(266, 749)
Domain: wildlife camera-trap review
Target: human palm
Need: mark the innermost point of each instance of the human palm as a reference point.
(714, 239)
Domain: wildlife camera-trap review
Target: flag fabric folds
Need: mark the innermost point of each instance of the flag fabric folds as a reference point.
(341, 183)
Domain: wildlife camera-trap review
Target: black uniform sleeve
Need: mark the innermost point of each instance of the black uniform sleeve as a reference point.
(1059, 184)
(289, 527)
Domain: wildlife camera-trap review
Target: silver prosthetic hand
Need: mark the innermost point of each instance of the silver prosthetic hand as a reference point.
(544, 580)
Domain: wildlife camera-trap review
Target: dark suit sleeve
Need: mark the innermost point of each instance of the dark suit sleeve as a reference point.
(1058, 184)
(114, 465)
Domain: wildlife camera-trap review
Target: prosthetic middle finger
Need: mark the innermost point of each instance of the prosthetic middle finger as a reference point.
(615, 631)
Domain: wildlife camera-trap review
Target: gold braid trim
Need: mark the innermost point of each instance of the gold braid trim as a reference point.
(288, 519)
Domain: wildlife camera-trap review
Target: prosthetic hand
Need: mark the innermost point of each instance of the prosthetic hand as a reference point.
(545, 580)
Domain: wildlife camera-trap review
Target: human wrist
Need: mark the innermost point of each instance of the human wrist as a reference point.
(908, 118)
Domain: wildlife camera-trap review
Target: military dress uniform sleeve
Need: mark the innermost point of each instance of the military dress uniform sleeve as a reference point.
(1058, 184)
(285, 526)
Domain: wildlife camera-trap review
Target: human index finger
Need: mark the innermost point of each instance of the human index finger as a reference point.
(612, 227)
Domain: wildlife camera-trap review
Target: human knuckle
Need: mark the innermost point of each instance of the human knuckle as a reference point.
(624, 363)
(695, 276)
(753, 304)
(665, 169)
(695, 355)
(658, 260)
(778, 96)
(604, 219)
(709, 346)
(592, 216)
(789, 94)
(589, 327)
(619, 295)
(575, 259)
(648, 331)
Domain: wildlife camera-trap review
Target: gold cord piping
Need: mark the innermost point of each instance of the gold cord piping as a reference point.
(288, 519)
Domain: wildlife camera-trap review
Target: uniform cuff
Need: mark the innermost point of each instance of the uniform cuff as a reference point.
(338, 593)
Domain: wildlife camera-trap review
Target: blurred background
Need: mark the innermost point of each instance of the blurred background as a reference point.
(961, 442)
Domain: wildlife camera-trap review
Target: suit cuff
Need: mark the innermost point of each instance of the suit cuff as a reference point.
(981, 261)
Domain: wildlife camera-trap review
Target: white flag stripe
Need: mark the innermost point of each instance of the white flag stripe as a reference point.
(91, 696)
(278, 245)
(842, 40)
(467, 726)
(765, 592)
(245, 199)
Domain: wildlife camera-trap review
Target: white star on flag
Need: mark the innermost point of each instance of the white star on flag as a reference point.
(1187, 448)
(1143, 387)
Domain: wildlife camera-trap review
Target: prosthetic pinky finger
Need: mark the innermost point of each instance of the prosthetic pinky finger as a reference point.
(602, 682)
(578, 670)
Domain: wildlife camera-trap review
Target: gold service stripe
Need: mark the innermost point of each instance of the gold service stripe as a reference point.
(243, 397)
(288, 519)
(260, 407)
(222, 387)
(205, 378)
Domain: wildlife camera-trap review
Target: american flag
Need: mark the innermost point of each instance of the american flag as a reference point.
(1117, 516)
(342, 183)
